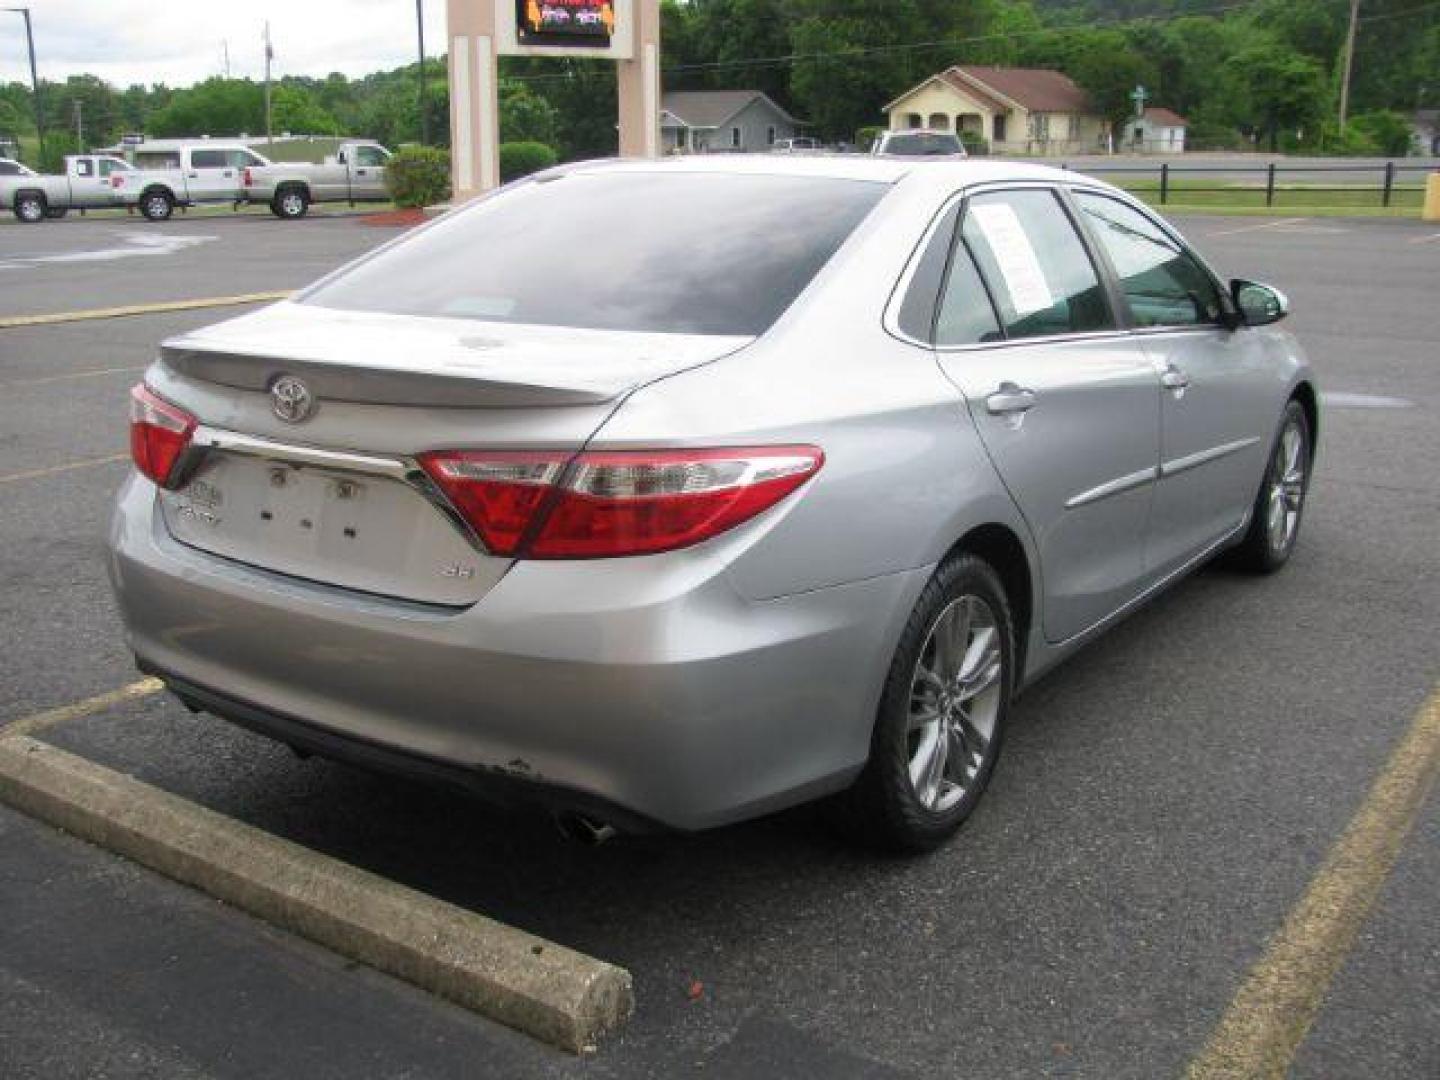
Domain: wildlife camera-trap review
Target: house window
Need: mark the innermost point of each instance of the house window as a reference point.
(770, 136)
(914, 120)
(735, 138)
(939, 122)
(999, 129)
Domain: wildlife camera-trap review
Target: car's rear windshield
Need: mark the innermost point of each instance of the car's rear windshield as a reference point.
(692, 253)
(922, 145)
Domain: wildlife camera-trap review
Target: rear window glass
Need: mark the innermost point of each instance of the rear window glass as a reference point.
(690, 253)
(922, 145)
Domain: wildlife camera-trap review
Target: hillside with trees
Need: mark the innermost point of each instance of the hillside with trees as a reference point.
(1264, 73)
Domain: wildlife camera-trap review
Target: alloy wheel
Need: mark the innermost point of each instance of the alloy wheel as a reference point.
(1287, 488)
(954, 702)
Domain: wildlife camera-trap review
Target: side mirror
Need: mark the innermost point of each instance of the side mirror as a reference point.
(1258, 304)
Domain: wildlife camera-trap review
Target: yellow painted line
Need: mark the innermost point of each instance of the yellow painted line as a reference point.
(10, 322)
(28, 725)
(1274, 1008)
(90, 374)
(35, 474)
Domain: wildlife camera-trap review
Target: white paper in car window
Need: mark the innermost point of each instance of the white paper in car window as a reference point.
(1015, 256)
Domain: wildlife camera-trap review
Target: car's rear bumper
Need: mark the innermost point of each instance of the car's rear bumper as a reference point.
(648, 687)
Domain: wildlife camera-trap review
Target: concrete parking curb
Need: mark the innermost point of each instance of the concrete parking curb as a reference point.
(548, 991)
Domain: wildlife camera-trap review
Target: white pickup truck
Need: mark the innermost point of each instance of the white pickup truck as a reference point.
(207, 171)
(89, 183)
(356, 173)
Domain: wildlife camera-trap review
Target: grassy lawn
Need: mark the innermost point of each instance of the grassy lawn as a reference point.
(1307, 200)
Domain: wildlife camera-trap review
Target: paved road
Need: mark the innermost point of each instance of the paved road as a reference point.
(1165, 797)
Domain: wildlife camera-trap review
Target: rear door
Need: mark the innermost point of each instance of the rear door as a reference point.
(1214, 422)
(211, 176)
(1065, 402)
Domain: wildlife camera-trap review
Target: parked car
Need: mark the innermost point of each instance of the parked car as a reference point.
(355, 174)
(205, 171)
(659, 531)
(87, 184)
(918, 142)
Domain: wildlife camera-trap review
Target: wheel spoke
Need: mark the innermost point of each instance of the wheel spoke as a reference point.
(951, 634)
(920, 719)
(975, 742)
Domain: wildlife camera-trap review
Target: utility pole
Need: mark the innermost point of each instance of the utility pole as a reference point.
(79, 126)
(1349, 60)
(34, 81)
(420, 33)
(269, 55)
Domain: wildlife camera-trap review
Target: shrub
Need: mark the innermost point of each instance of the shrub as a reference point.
(1389, 131)
(974, 143)
(519, 159)
(866, 136)
(418, 176)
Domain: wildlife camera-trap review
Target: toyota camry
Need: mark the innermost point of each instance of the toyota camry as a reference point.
(668, 494)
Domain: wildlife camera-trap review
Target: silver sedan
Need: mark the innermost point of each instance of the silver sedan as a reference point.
(676, 493)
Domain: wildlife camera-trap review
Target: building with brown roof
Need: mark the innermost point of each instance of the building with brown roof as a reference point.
(1157, 131)
(1015, 110)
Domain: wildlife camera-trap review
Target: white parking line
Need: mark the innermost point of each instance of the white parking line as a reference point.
(1424, 239)
(1256, 228)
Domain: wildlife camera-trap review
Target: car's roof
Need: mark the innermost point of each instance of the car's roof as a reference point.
(884, 170)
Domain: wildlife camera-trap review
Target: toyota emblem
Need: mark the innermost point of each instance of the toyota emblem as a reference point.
(291, 400)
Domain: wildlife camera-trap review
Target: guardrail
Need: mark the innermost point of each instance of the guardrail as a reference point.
(1381, 179)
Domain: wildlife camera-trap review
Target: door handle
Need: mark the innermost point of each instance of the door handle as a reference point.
(1009, 398)
(1174, 379)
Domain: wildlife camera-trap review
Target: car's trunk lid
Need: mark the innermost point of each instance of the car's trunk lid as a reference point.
(336, 497)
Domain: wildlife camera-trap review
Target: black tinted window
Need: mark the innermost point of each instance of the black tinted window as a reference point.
(1163, 283)
(9, 168)
(671, 253)
(917, 310)
(1038, 271)
(966, 315)
(209, 159)
(922, 144)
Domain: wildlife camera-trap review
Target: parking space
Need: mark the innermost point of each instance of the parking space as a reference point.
(1165, 798)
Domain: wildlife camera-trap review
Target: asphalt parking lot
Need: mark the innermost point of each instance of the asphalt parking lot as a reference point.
(1165, 798)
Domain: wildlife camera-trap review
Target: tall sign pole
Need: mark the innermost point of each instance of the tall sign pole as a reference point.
(480, 31)
(474, 97)
(638, 83)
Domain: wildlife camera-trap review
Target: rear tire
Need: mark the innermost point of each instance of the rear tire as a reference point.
(30, 207)
(291, 203)
(948, 690)
(157, 205)
(1280, 502)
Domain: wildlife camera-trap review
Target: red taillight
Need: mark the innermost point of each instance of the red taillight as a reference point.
(540, 505)
(159, 433)
(245, 179)
(117, 180)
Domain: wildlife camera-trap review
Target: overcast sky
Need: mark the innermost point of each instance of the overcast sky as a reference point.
(178, 43)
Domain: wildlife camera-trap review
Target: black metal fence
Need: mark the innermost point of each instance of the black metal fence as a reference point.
(1383, 180)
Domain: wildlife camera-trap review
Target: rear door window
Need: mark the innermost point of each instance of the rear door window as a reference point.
(1039, 274)
(209, 159)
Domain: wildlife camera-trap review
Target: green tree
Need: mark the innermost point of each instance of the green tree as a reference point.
(525, 116)
(294, 109)
(1277, 88)
(214, 107)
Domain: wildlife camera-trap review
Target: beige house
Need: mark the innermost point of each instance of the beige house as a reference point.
(1016, 110)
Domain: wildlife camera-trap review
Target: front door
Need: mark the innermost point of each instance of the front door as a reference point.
(1066, 403)
(1215, 391)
